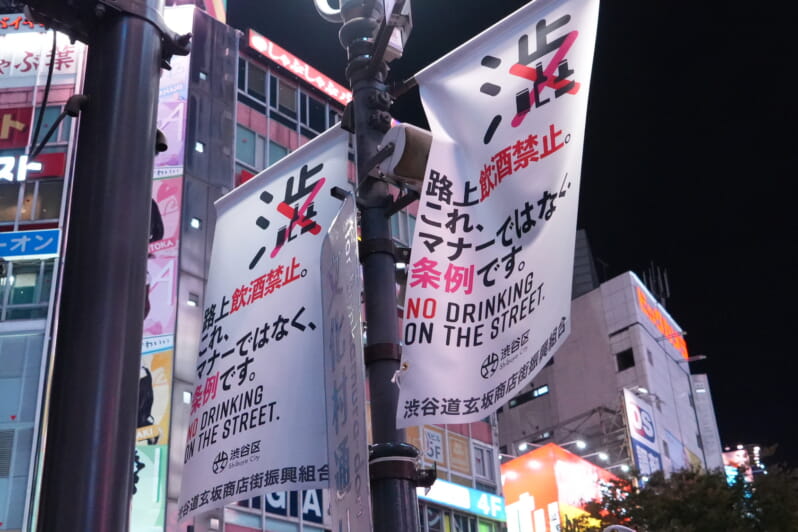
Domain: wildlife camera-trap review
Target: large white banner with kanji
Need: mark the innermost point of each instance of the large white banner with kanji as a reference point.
(489, 282)
(258, 419)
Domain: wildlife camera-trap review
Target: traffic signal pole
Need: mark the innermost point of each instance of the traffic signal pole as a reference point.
(393, 463)
(93, 389)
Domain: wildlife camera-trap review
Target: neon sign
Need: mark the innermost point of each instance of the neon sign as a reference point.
(20, 168)
(662, 324)
(299, 68)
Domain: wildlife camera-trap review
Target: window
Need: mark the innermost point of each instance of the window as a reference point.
(463, 523)
(528, 395)
(666, 449)
(41, 200)
(483, 462)
(314, 113)
(51, 114)
(245, 145)
(256, 83)
(650, 356)
(250, 149)
(625, 359)
(437, 521)
(276, 152)
(286, 98)
(25, 289)
(9, 197)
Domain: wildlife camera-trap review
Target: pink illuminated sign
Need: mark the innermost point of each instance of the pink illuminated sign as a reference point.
(299, 68)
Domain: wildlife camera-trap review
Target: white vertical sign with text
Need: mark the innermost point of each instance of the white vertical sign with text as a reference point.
(258, 421)
(345, 375)
(489, 282)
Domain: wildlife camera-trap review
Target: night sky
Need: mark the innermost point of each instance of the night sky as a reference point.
(688, 164)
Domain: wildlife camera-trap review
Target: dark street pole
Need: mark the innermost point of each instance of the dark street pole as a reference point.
(393, 463)
(91, 422)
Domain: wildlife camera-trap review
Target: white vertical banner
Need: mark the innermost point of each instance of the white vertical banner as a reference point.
(489, 282)
(345, 375)
(258, 420)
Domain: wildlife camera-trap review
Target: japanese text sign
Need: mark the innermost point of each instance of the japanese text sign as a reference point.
(18, 244)
(25, 56)
(257, 416)
(345, 376)
(14, 127)
(489, 280)
(299, 68)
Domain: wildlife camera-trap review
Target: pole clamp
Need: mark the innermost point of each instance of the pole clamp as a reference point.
(384, 351)
(398, 461)
(376, 245)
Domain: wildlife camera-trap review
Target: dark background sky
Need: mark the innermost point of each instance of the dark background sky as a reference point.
(689, 163)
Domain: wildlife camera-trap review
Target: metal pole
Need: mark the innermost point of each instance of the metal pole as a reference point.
(90, 432)
(393, 489)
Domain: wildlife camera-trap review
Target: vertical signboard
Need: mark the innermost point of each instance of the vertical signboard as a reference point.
(489, 284)
(344, 375)
(148, 509)
(258, 420)
(643, 434)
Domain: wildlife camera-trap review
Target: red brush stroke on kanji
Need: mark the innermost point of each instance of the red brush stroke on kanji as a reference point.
(526, 72)
(289, 212)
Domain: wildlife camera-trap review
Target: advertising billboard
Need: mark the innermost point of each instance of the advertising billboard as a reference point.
(735, 461)
(488, 293)
(546, 490)
(643, 434)
(654, 317)
(258, 417)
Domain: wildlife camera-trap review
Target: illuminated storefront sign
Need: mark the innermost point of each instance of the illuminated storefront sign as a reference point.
(14, 125)
(299, 68)
(546, 489)
(18, 244)
(477, 502)
(661, 322)
(20, 168)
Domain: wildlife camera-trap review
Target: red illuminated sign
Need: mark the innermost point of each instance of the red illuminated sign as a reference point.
(546, 490)
(299, 68)
(662, 323)
(14, 124)
(19, 168)
(16, 22)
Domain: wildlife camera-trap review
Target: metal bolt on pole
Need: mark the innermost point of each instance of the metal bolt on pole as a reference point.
(91, 418)
(392, 463)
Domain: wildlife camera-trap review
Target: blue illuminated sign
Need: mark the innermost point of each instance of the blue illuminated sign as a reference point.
(473, 501)
(16, 244)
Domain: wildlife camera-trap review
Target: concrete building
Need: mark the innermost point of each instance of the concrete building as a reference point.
(621, 383)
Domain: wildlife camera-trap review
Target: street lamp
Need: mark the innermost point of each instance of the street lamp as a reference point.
(623, 467)
(604, 457)
(580, 444)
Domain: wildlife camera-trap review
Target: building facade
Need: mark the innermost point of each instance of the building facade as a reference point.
(621, 384)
